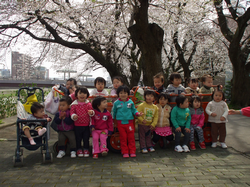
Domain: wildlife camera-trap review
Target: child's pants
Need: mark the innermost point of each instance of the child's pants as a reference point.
(127, 137)
(102, 135)
(62, 136)
(156, 137)
(218, 129)
(144, 136)
(178, 136)
(82, 133)
(199, 132)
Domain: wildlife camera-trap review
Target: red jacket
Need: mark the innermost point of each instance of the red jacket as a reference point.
(197, 116)
(246, 111)
(102, 120)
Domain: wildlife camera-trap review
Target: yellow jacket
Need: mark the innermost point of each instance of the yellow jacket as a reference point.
(150, 114)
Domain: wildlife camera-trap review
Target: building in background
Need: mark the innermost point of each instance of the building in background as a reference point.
(4, 73)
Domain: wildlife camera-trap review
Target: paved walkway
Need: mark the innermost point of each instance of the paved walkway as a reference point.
(204, 168)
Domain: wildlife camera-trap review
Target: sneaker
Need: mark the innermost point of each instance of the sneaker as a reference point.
(61, 154)
(185, 149)
(95, 156)
(178, 148)
(144, 150)
(73, 154)
(104, 153)
(125, 155)
(202, 145)
(132, 155)
(223, 145)
(86, 153)
(79, 153)
(151, 149)
(192, 146)
(214, 144)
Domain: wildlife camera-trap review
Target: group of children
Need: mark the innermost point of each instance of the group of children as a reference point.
(78, 117)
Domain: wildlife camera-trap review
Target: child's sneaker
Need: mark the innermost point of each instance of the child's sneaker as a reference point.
(125, 155)
(42, 131)
(144, 150)
(223, 145)
(95, 156)
(32, 142)
(104, 153)
(79, 153)
(132, 155)
(214, 144)
(73, 154)
(185, 148)
(178, 148)
(192, 146)
(61, 154)
(151, 149)
(202, 145)
(86, 153)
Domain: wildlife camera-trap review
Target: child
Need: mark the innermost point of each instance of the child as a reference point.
(117, 81)
(80, 112)
(197, 122)
(244, 111)
(217, 110)
(124, 110)
(147, 121)
(102, 126)
(192, 88)
(158, 82)
(181, 119)
(175, 87)
(207, 82)
(65, 89)
(65, 126)
(163, 125)
(37, 111)
(100, 83)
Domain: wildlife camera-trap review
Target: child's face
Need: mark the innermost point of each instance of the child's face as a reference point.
(69, 83)
(40, 113)
(99, 86)
(103, 105)
(217, 96)
(63, 106)
(157, 82)
(81, 96)
(184, 104)
(123, 95)
(193, 85)
(176, 82)
(149, 98)
(196, 104)
(117, 83)
(208, 82)
(163, 101)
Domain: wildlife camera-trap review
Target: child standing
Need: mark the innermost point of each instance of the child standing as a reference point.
(117, 81)
(37, 111)
(102, 126)
(71, 82)
(163, 127)
(175, 87)
(147, 121)
(65, 126)
(181, 119)
(124, 110)
(217, 110)
(192, 88)
(158, 82)
(80, 112)
(197, 122)
(207, 82)
(100, 83)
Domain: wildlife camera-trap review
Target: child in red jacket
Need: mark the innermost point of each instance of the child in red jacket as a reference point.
(197, 122)
(102, 126)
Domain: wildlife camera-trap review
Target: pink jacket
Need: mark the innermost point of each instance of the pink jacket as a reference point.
(102, 120)
(197, 116)
(81, 110)
(245, 111)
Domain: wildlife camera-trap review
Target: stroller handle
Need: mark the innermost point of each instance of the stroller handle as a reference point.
(31, 89)
(37, 120)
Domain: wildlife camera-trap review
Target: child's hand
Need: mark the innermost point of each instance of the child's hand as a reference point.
(139, 114)
(178, 129)
(62, 115)
(75, 117)
(90, 112)
(48, 119)
(144, 121)
(93, 129)
(232, 112)
(213, 115)
(222, 118)
(182, 93)
(187, 130)
(151, 127)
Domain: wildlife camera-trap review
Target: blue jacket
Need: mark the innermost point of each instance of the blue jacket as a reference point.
(124, 111)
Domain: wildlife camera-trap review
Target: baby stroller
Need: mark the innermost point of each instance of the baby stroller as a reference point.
(22, 140)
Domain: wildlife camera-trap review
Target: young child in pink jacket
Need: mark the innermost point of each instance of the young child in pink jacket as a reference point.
(102, 126)
(197, 122)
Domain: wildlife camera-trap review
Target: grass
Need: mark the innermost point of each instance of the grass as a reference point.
(1, 122)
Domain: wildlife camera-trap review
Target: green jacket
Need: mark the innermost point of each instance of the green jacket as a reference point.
(181, 117)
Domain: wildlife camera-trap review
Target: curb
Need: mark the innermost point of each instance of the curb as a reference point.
(7, 125)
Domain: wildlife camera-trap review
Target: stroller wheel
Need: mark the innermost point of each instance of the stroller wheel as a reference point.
(44, 159)
(15, 160)
(51, 157)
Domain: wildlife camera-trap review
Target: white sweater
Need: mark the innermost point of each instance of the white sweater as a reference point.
(219, 108)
